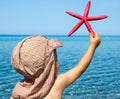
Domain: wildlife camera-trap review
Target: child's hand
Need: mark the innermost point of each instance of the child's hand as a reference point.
(94, 41)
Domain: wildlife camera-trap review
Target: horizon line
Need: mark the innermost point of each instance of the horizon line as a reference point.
(54, 35)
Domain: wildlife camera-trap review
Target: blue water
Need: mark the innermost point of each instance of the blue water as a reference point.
(100, 81)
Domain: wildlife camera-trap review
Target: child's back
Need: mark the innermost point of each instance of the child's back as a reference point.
(64, 80)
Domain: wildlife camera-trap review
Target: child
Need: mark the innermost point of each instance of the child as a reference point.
(35, 58)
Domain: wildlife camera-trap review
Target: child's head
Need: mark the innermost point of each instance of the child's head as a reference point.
(35, 58)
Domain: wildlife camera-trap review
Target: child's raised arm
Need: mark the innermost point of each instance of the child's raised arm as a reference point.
(71, 75)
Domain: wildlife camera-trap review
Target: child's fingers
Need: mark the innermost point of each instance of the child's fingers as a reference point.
(95, 34)
(91, 34)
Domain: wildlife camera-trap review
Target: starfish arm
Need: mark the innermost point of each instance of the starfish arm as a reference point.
(74, 15)
(89, 28)
(75, 27)
(87, 9)
(91, 18)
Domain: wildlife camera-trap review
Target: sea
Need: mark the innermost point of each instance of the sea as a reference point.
(101, 80)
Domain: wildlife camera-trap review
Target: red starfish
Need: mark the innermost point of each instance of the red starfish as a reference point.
(85, 19)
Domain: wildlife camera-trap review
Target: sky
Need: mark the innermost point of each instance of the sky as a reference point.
(48, 17)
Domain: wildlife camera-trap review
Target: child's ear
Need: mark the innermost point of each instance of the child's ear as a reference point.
(54, 43)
